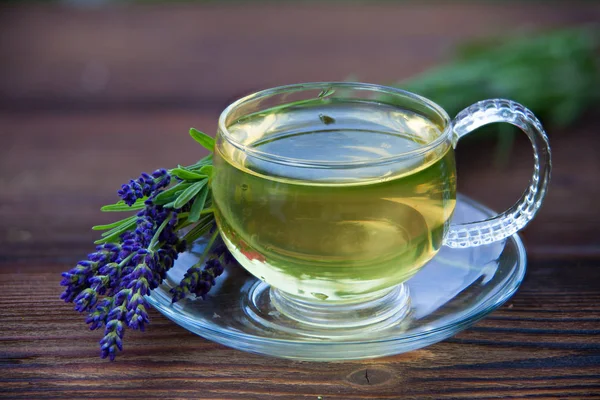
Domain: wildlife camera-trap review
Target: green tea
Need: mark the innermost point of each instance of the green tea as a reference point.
(334, 231)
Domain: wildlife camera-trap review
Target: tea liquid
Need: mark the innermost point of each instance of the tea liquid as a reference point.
(334, 233)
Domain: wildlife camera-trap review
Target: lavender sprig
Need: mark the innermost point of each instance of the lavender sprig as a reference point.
(78, 279)
(135, 253)
(144, 186)
(115, 326)
(198, 280)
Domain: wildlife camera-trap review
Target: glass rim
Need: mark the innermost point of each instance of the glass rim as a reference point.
(298, 87)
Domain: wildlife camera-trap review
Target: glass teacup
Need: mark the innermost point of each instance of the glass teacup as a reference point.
(335, 194)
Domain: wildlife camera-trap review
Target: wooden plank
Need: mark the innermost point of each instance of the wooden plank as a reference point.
(541, 342)
(189, 55)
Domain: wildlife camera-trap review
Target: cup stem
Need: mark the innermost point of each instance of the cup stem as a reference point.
(378, 311)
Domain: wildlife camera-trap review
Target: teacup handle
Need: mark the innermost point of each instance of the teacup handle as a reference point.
(515, 218)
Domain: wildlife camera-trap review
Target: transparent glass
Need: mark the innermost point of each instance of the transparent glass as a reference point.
(458, 287)
(335, 194)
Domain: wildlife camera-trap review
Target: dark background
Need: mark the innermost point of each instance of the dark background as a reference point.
(93, 93)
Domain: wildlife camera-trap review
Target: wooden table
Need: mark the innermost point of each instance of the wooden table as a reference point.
(91, 96)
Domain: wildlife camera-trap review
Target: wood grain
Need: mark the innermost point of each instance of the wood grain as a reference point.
(89, 97)
(543, 343)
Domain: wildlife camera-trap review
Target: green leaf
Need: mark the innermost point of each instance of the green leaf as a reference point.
(115, 234)
(200, 229)
(170, 205)
(524, 68)
(198, 205)
(114, 224)
(206, 141)
(187, 175)
(188, 194)
(205, 161)
(326, 92)
(121, 206)
(121, 228)
(207, 170)
(168, 195)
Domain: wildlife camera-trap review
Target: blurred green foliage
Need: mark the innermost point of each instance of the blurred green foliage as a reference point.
(555, 74)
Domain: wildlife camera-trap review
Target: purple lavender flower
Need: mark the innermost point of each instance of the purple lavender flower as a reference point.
(112, 284)
(145, 185)
(221, 251)
(85, 300)
(115, 327)
(142, 278)
(198, 280)
(108, 277)
(98, 317)
(137, 314)
(112, 340)
(79, 278)
(143, 272)
(125, 274)
(163, 177)
(149, 219)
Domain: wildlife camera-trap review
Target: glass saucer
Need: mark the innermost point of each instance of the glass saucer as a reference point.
(453, 291)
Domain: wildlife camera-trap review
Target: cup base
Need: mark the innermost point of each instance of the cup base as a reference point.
(275, 310)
